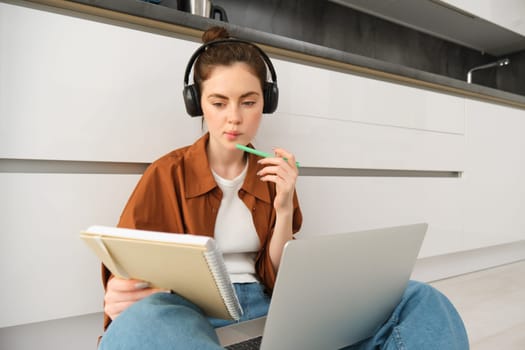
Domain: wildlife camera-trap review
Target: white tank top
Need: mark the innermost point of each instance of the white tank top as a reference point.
(235, 232)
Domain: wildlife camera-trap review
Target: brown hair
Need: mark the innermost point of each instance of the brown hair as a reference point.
(225, 55)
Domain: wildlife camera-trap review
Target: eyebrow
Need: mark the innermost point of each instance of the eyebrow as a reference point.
(242, 96)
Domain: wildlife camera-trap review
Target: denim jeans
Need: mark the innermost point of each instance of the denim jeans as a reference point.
(424, 319)
(254, 302)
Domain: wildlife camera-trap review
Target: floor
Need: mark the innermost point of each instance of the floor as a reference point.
(491, 302)
(492, 305)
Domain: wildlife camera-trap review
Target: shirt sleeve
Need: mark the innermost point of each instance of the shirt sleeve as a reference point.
(264, 266)
(153, 206)
(154, 203)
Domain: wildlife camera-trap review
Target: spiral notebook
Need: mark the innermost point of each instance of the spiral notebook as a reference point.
(189, 265)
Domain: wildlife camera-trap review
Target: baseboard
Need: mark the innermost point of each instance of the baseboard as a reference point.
(449, 265)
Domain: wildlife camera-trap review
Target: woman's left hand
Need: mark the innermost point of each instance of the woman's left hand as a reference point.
(282, 170)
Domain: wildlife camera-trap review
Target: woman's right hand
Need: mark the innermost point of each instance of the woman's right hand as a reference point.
(122, 293)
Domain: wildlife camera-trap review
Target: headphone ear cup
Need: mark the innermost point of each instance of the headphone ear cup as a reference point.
(271, 97)
(192, 100)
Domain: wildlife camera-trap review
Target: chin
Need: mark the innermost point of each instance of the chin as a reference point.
(230, 145)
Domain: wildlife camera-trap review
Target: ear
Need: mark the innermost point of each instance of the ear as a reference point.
(192, 100)
(271, 97)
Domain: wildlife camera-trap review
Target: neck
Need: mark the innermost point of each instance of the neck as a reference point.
(226, 164)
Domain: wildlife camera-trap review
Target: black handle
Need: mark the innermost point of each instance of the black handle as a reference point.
(220, 11)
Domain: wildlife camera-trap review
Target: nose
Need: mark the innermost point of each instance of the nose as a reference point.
(234, 115)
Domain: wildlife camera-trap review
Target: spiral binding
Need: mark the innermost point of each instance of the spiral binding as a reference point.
(222, 280)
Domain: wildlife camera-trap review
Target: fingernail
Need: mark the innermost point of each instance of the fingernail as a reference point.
(141, 285)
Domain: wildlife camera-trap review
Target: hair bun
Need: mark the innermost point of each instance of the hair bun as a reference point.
(215, 33)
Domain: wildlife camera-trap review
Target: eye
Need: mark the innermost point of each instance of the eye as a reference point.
(218, 104)
(249, 103)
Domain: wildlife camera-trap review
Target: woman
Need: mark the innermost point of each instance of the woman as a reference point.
(248, 204)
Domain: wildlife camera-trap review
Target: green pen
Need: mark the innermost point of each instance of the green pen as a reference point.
(259, 153)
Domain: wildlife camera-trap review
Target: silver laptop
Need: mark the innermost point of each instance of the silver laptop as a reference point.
(334, 290)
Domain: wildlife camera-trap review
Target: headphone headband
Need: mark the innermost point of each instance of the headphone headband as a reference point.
(203, 48)
(191, 92)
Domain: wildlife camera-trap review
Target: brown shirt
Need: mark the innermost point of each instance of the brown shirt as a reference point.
(178, 193)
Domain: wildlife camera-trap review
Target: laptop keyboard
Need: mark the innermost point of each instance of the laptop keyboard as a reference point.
(250, 344)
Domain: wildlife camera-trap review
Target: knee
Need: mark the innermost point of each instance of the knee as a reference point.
(431, 302)
(158, 305)
(420, 290)
(165, 320)
(422, 293)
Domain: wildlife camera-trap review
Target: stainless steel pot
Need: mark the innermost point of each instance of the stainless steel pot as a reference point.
(205, 8)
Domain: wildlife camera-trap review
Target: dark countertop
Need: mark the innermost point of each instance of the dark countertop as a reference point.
(164, 18)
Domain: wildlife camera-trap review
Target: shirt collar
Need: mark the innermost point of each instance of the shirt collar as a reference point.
(199, 179)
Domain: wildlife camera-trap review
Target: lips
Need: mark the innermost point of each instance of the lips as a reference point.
(232, 134)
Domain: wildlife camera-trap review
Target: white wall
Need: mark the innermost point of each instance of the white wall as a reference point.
(82, 90)
(494, 200)
(78, 89)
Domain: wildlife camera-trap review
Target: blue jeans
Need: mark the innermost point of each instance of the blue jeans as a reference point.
(424, 319)
(254, 302)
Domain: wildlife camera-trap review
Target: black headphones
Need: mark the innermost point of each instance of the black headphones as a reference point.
(191, 93)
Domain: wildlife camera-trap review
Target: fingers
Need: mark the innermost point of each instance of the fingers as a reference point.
(124, 285)
(282, 156)
(113, 310)
(121, 293)
(280, 167)
(281, 170)
(289, 157)
(114, 306)
(275, 172)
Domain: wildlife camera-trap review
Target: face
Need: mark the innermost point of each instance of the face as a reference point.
(232, 104)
